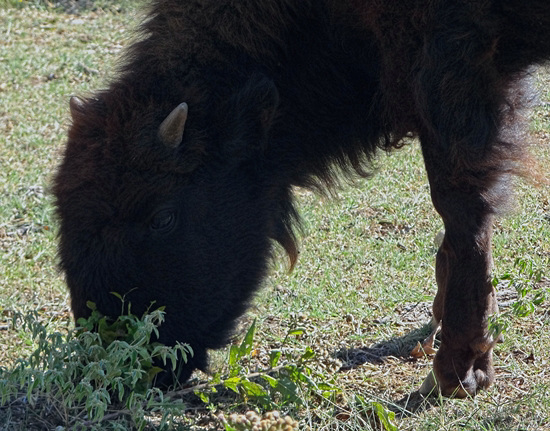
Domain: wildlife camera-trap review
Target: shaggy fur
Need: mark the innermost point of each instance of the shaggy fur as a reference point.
(284, 93)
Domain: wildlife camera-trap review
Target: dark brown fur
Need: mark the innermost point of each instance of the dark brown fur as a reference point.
(284, 93)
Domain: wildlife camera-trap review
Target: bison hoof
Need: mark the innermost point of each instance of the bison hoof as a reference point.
(477, 378)
(431, 387)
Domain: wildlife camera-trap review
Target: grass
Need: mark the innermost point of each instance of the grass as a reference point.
(364, 280)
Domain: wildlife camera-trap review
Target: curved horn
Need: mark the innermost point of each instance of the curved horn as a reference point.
(76, 104)
(171, 129)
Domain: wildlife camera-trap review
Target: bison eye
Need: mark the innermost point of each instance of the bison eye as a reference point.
(163, 221)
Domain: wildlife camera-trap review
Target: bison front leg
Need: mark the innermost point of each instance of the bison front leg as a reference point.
(465, 298)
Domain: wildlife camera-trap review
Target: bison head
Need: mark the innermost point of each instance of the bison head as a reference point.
(171, 207)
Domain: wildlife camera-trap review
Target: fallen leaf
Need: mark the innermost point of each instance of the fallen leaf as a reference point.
(421, 351)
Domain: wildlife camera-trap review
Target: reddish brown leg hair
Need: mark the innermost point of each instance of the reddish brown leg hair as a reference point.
(465, 298)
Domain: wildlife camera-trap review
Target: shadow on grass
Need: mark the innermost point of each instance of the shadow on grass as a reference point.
(399, 347)
(395, 348)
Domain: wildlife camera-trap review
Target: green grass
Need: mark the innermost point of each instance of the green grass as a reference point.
(365, 272)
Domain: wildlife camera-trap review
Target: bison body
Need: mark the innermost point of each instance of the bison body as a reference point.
(178, 204)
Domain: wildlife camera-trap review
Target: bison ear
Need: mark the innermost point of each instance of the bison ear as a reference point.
(267, 102)
(251, 113)
(171, 129)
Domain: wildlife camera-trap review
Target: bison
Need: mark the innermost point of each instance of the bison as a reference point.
(177, 178)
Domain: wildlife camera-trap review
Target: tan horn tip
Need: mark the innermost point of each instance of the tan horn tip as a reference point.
(171, 129)
(76, 105)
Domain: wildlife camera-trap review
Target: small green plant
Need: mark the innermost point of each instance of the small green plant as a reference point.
(280, 385)
(375, 414)
(96, 376)
(525, 279)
